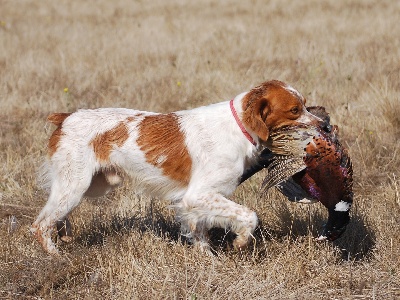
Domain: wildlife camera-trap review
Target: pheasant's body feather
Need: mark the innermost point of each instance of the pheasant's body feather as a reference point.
(310, 164)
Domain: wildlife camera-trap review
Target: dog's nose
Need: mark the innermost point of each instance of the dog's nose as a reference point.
(321, 117)
(327, 127)
(323, 124)
(318, 122)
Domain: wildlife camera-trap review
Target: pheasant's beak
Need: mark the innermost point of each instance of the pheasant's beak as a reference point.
(336, 225)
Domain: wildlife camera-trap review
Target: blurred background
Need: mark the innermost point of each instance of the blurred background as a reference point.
(60, 56)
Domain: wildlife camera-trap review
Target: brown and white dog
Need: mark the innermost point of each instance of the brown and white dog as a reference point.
(193, 158)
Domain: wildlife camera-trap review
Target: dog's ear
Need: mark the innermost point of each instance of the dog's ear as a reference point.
(255, 112)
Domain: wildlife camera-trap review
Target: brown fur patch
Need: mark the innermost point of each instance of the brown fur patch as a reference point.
(57, 119)
(132, 118)
(268, 106)
(104, 143)
(54, 140)
(164, 146)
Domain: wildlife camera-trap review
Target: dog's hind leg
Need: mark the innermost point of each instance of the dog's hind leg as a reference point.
(66, 193)
(102, 183)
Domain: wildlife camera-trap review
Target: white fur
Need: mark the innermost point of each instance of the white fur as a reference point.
(293, 91)
(218, 149)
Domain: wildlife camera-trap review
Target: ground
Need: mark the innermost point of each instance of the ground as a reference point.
(59, 56)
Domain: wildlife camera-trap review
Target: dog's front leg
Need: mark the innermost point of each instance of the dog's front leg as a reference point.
(196, 232)
(199, 214)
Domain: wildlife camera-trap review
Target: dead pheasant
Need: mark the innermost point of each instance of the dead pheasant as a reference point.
(309, 164)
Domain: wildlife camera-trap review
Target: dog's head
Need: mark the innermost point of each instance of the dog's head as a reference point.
(274, 104)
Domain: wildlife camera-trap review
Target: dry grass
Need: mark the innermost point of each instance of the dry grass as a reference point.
(168, 55)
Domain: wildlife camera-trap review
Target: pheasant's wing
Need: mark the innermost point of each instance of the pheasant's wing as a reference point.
(294, 191)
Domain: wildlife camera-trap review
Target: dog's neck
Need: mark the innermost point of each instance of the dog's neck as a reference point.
(240, 124)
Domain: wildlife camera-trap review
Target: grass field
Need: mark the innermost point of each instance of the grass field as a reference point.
(59, 56)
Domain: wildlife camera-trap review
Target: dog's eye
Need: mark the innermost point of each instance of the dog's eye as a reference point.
(295, 110)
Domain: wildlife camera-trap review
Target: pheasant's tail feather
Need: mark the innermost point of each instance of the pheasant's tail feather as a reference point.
(292, 141)
(281, 168)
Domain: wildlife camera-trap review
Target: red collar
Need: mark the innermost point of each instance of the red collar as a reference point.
(246, 134)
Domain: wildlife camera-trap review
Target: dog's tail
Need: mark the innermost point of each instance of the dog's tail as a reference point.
(44, 174)
(58, 118)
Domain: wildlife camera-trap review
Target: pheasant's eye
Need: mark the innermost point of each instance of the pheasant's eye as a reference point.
(295, 110)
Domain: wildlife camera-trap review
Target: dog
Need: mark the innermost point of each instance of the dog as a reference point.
(193, 158)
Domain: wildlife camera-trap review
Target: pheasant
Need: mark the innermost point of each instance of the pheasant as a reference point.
(309, 164)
